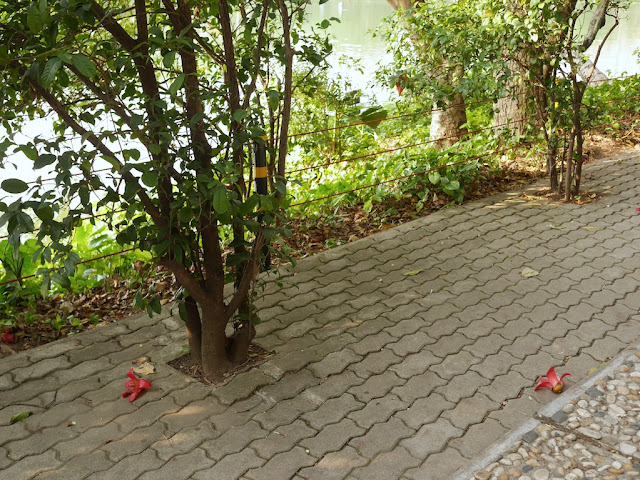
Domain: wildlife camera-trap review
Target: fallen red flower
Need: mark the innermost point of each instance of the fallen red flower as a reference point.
(552, 382)
(638, 209)
(7, 336)
(134, 386)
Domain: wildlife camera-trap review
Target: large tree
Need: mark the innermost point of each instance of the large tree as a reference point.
(174, 95)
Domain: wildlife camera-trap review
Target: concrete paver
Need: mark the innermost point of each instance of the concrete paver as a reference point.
(377, 374)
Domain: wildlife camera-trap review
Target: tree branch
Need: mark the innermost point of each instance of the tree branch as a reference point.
(248, 276)
(597, 22)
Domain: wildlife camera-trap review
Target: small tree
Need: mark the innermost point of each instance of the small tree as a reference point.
(446, 56)
(173, 94)
(547, 51)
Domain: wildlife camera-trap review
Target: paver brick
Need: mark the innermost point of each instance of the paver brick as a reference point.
(40, 369)
(478, 437)
(372, 343)
(387, 465)
(516, 411)
(415, 364)
(130, 467)
(376, 386)
(334, 362)
(181, 467)
(453, 343)
(334, 344)
(505, 386)
(134, 443)
(233, 440)
(332, 387)
(283, 439)
(438, 466)
(332, 411)
(78, 467)
(284, 413)
(332, 437)
(382, 437)
(32, 465)
(461, 386)
(334, 465)
(88, 441)
(431, 438)
(375, 363)
(424, 410)
(378, 411)
(282, 465)
(418, 386)
(289, 386)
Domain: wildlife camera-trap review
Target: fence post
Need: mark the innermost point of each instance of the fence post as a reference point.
(260, 179)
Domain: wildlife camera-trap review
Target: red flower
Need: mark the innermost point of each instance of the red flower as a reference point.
(552, 382)
(638, 209)
(7, 337)
(134, 386)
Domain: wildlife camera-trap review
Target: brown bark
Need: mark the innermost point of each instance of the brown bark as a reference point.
(214, 341)
(194, 330)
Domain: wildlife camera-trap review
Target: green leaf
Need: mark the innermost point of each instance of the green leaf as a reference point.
(177, 84)
(412, 272)
(528, 272)
(274, 99)
(84, 65)
(154, 149)
(434, 177)
(220, 201)
(239, 114)
(18, 417)
(14, 185)
(49, 71)
(169, 59)
(44, 160)
(150, 179)
(182, 311)
(45, 213)
(30, 152)
(35, 19)
(154, 306)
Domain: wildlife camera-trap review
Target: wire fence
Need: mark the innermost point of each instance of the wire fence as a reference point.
(353, 159)
(83, 262)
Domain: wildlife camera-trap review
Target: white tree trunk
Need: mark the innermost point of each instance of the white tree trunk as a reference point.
(446, 124)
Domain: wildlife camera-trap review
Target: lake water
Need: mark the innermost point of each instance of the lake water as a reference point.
(359, 17)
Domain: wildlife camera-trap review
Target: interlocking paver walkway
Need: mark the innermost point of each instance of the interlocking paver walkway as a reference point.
(377, 374)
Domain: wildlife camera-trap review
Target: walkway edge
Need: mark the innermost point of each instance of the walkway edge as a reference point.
(496, 450)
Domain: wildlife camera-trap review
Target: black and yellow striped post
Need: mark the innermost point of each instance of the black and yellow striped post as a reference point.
(260, 169)
(260, 179)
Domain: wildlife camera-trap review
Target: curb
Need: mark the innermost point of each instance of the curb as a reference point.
(496, 450)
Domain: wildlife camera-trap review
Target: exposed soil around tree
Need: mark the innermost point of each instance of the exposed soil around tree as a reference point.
(114, 300)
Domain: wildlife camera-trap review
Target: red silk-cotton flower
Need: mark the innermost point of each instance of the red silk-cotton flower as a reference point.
(7, 337)
(552, 382)
(134, 386)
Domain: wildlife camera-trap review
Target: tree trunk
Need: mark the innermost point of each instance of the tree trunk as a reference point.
(214, 341)
(446, 124)
(239, 345)
(590, 73)
(194, 330)
(579, 160)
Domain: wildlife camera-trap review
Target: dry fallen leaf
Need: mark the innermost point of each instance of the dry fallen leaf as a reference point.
(528, 272)
(144, 367)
